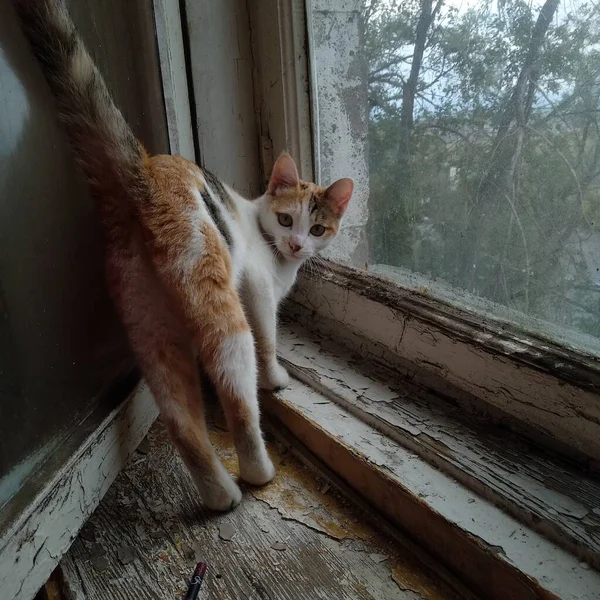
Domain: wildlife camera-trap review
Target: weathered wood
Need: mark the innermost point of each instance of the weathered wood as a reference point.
(550, 495)
(294, 539)
(490, 550)
(549, 389)
(221, 69)
(340, 120)
(32, 546)
(278, 36)
(283, 435)
(169, 38)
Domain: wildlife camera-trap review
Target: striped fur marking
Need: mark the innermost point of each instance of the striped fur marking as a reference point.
(217, 217)
(217, 186)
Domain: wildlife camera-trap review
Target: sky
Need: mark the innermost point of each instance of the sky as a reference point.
(464, 5)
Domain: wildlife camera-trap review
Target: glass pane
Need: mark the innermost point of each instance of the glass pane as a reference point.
(62, 347)
(472, 129)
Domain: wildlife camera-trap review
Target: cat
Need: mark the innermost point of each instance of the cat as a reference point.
(196, 272)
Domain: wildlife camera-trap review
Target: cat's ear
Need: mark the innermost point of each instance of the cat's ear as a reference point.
(338, 195)
(284, 175)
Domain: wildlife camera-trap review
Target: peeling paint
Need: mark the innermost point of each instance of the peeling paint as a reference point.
(295, 494)
(341, 87)
(433, 507)
(270, 556)
(33, 545)
(437, 346)
(408, 582)
(551, 496)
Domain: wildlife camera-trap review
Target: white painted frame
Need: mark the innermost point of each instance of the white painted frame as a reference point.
(281, 83)
(169, 37)
(459, 355)
(221, 69)
(32, 546)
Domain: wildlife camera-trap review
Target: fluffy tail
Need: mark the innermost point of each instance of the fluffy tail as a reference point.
(104, 145)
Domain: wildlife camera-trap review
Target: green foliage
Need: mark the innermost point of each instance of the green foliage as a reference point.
(501, 192)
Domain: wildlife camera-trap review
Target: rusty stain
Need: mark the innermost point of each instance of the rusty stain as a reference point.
(362, 590)
(409, 578)
(296, 494)
(326, 513)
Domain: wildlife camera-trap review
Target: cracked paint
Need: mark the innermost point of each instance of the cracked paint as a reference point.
(443, 349)
(537, 491)
(298, 496)
(273, 554)
(70, 497)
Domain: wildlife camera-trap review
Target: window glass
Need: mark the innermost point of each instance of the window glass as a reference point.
(472, 129)
(62, 348)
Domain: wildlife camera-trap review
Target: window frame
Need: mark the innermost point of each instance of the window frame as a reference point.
(539, 385)
(282, 84)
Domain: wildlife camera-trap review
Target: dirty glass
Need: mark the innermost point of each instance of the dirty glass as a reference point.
(472, 130)
(62, 348)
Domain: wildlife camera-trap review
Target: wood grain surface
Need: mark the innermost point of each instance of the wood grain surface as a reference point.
(293, 539)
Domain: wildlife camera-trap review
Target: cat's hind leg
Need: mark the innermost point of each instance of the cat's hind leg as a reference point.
(229, 359)
(206, 292)
(173, 379)
(165, 352)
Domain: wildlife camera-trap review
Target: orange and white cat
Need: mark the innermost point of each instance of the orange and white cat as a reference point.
(195, 270)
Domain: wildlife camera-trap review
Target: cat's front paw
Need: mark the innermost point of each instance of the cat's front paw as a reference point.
(274, 377)
(257, 471)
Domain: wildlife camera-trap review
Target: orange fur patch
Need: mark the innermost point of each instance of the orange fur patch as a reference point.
(305, 193)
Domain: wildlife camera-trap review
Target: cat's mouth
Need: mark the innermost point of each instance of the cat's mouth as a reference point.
(287, 253)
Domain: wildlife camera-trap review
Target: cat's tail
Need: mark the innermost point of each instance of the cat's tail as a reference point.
(110, 155)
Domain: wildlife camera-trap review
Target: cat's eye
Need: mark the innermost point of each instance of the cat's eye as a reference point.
(317, 230)
(285, 220)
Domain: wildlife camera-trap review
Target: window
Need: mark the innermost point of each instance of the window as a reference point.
(66, 428)
(471, 128)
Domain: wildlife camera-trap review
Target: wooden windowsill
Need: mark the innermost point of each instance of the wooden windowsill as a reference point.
(71, 486)
(490, 505)
(543, 389)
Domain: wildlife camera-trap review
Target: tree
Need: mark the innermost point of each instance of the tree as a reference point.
(485, 148)
(500, 182)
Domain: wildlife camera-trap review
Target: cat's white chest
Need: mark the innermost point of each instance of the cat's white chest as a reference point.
(283, 280)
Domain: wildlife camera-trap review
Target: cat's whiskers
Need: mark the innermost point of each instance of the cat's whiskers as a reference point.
(310, 263)
(272, 245)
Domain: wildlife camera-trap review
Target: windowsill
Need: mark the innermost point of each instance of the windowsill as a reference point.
(46, 516)
(443, 476)
(541, 389)
(495, 315)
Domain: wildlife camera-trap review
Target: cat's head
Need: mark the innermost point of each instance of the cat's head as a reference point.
(301, 218)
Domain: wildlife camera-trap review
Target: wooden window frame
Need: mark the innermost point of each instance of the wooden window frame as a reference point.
(539, 385)
(41, 521)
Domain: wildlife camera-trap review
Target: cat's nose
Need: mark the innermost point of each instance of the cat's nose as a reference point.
(294, 246)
